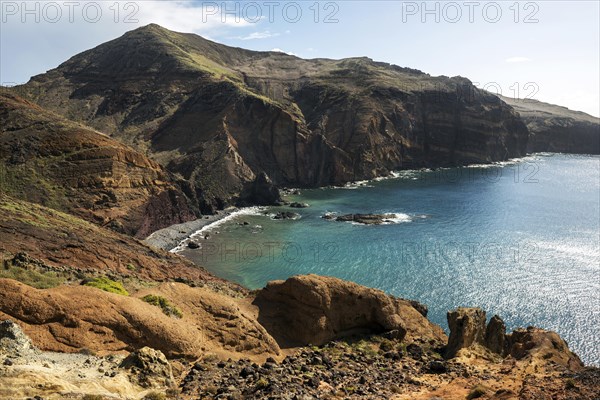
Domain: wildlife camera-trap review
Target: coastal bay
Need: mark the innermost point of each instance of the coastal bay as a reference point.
(518, 237)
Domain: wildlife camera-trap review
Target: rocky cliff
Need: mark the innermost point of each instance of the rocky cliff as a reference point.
(218, 116)
(557, 129)
(49, 160)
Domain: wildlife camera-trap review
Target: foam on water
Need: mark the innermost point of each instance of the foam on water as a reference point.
(212, 226)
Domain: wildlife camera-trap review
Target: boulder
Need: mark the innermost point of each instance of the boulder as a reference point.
(467, 327)
(12, 339)
(149, 368)
(468, 331)
(296, 204)
(311, 309)
(193, 245)
(286, 215)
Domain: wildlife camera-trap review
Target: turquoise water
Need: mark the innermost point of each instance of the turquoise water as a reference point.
(521, 240)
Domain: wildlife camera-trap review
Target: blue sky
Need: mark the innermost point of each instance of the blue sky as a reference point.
(545, 49)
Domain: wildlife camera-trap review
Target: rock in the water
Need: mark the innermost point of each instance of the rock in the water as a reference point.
(467, 327)
(152, 367)
(261, 192)
(286, 215)
(314, 310)
(495, 335)
(367, 219)
(295, 204)
(193, 245)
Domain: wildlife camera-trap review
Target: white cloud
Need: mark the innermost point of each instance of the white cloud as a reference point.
(183, 16)
(517, 59)
(114, 19)
(289, 53)
(258, 35)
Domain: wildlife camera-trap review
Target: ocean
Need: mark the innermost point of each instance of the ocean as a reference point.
(520, 239)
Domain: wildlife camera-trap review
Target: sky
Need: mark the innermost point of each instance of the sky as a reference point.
(547, 50)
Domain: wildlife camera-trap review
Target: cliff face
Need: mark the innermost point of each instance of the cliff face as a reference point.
(49, 160)
(218, 115)
(557, 129)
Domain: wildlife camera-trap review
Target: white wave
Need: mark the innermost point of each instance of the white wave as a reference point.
(415, 174)
(398, 218)
(356, 185)
(512, 161)
(210, 227)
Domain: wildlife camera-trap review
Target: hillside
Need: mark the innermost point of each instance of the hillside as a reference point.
(217, 116)
(49, 160)
(557, 129)
(49, 247)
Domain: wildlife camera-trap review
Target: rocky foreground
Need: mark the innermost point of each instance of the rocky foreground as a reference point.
(309, 337)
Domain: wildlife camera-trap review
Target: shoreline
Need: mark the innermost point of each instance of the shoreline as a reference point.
(170, 238)
(174, 238)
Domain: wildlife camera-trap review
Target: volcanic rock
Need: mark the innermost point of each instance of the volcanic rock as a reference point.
(557, 129)
(467, 327)
(12, 339)
(314, 310)
(150, 367)
(495, 335)
(366, 219)
(261, 192)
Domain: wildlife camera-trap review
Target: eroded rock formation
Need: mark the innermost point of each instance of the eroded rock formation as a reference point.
(312, 309)
(468, 332)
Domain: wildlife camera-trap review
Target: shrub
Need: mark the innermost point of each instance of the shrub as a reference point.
(165, 305)
(155, 396)
(38, 280)
(107, 285)
(262, 383)
(92, 397)
(476, 392)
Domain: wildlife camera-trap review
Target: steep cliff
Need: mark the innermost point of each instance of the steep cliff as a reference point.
(49, 160)
(218, 116)
(557, 129)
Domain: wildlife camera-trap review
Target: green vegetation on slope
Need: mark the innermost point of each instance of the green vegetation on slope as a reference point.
(107, 285)
(38, 280)
(165, 305)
